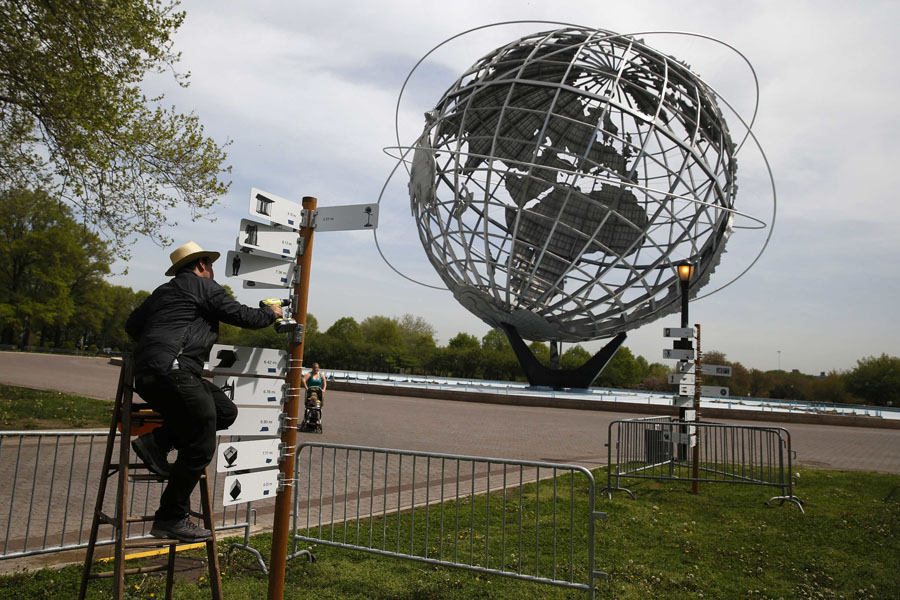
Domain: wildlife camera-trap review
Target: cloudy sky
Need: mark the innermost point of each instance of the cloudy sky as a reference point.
(306, 92)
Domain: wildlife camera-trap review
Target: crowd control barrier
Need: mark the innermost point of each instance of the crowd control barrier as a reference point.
(659, 448)
(526, 520)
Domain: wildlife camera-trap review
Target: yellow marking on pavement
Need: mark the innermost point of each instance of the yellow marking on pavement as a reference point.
(150, 553)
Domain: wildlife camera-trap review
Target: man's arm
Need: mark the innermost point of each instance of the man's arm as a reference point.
(228, 310)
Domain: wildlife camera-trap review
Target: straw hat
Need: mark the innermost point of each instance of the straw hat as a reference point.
(187, 253)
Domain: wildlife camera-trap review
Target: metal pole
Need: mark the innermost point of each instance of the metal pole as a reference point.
(292, 410)
(685, 342)
(695, 484)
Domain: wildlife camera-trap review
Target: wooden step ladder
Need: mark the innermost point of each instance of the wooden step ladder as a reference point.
(125, 416)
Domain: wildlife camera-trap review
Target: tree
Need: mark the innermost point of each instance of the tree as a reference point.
(73, 118)
(463, 340)
(622, 371)
(49, 266)
(876, 380)
(574, 357)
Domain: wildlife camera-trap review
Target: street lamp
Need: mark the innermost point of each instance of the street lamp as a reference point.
(685, 274)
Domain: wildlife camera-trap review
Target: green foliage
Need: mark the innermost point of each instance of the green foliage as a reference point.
(623, 371)
(574, 357)
(51, 270)
(23, 408)
(876, 380)
(74, 119)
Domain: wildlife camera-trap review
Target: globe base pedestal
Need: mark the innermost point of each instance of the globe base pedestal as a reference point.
(542, 376)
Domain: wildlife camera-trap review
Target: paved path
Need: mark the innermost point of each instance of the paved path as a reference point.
(520, 432)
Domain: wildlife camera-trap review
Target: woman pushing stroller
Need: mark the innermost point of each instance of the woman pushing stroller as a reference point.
(315, 385)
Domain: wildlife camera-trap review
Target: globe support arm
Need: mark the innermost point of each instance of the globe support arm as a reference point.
(558, 379)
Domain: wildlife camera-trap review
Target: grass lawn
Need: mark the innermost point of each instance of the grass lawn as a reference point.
(721, 544)
(23, 408)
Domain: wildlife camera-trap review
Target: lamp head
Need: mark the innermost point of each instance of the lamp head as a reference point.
(685, 270)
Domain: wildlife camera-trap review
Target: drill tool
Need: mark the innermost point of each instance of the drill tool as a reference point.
(282, 324)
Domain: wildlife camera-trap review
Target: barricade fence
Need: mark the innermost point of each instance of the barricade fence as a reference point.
(50, 481)
(659, 448)
(521, 519)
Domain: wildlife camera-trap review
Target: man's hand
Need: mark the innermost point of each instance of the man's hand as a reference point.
(276, 308)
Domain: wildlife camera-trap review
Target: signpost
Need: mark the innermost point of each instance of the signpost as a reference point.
(247, 487)
(261, 421)
(260, 391)
(253, 454)
(237, 360)
(346, 218)
(260, 269)
(273, 208)
(271, 239)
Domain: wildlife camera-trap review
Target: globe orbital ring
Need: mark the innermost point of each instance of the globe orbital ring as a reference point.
(640, 44)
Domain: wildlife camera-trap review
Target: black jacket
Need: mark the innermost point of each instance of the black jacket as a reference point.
(181, 319)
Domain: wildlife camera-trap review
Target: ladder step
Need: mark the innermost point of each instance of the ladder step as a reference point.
(131, 571)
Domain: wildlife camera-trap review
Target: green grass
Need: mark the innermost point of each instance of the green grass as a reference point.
(23, 408)
(723, 543)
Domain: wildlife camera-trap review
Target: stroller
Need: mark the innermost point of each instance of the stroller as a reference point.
(312, 416)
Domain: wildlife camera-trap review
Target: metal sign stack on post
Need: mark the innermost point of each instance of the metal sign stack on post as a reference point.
(253, 379)
(260, 260)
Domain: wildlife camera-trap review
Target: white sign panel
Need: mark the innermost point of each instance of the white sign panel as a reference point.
(262, 422)
(715, 370)
(690, 415)
(248, 487)
(252, 391)
(278, 210)
(687, 367)
(678, 332)
(685, 378)
(345, 218)
(686, 389)
(684, 401)
(678, 354)
(245, 360)
(268, 238)
(713, 390)
(255, 454)
(260, 269)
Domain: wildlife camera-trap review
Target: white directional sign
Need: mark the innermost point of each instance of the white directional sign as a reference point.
(690, 415)
(270, 239)
(713, 390)
(678, 354)
(260, 269)
(278, 210)
(678, 332)
(248, 487)
(263, 422)
(245, 360)
(684, 401)
(686, 390)
(687, 367)
(682, 378)
(715, 370)
(252, 391)
(255, 454)
(345, 218)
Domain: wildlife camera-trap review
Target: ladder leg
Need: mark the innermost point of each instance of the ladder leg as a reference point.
(122, 495)
(212, 554)
(125, 380)
(170, 574)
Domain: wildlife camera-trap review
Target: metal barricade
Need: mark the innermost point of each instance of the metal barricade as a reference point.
(521, 519)
(659, 448)
(50, 488)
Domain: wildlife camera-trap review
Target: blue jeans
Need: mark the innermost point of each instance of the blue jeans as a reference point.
(193, 409)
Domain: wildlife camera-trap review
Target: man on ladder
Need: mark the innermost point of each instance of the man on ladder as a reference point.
(175, 328)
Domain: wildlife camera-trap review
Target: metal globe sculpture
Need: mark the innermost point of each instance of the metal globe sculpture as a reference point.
(560, 180)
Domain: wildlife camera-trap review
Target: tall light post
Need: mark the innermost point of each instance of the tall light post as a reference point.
(685, 274)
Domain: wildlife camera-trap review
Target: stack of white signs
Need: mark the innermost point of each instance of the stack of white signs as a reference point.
(254, 380)
(265, 255)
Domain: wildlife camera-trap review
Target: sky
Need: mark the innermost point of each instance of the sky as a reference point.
(306, 94)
